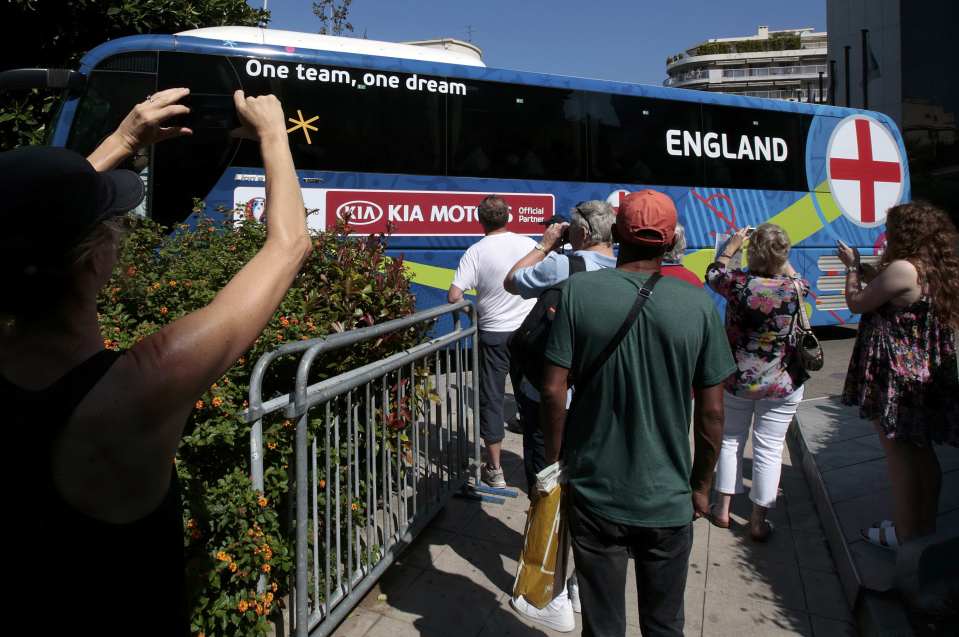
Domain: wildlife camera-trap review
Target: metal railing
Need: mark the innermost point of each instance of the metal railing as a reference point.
(800, 95)
(775, 71)
(811, 70)
(379, 450)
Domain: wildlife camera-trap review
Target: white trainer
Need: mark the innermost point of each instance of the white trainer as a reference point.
(572, 588)
(557, 615)
(493, 477)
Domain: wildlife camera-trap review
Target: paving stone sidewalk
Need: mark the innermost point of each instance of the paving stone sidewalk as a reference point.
(455, 579)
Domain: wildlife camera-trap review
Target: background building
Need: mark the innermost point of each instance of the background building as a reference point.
(909, 76)
(788, 64)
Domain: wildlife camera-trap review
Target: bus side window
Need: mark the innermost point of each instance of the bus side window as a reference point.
(517, 132)
(188, 167)
(769, 148)
(627, 140)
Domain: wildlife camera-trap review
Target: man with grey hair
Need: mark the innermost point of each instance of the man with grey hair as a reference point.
(673, 260)
(482, 267)
(591, 235)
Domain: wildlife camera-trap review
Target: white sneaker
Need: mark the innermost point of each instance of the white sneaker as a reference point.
(558, 614)
(572, 588)
(493, 477)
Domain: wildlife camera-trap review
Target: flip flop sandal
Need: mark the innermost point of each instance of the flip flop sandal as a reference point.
(764, 537)
(883, 537)
(711, 516)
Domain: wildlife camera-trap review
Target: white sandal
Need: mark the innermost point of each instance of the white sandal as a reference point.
(883, 537)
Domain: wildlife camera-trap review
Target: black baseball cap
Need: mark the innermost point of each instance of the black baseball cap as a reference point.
(51, 199)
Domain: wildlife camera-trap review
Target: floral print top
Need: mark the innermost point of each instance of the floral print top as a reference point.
(759, 319)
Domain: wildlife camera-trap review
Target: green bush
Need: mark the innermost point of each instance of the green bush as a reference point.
(233, 534)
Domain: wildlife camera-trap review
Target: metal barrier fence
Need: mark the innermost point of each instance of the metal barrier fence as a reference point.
(379, 450)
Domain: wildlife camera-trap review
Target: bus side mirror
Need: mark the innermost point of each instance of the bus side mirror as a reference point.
(26, 79)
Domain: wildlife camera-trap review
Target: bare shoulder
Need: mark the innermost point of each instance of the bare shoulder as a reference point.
(901, 267)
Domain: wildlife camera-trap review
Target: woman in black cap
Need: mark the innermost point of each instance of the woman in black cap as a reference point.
(95, 431)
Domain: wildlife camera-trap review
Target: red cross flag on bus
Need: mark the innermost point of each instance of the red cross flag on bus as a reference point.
(865, 170)
(615, 198)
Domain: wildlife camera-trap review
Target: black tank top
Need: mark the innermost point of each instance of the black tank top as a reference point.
(79, 575)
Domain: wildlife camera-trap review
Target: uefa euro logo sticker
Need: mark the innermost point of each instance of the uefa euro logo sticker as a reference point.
(865, 171)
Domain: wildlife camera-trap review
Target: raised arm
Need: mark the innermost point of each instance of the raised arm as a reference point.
(143, 126)
(552, 238)
(156, 384)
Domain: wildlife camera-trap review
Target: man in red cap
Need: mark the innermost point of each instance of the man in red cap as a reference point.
(631, 343)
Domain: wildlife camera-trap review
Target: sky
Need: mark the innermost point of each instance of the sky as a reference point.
(620, 40)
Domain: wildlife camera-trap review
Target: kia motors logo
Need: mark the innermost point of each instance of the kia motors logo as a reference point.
(359, 213)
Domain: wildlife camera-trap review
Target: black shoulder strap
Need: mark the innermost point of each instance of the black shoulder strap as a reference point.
(576, 264)
(644, 293)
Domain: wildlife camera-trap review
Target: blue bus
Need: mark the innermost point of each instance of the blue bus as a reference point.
(411, 138)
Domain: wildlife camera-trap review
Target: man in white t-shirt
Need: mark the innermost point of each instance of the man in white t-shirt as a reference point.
(483, 267)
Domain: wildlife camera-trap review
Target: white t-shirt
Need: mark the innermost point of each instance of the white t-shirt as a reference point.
(483, 267)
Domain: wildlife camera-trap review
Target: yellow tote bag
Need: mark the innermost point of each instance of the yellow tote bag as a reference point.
(541, 574)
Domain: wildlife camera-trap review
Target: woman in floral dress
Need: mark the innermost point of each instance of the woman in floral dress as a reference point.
(761, 306)
(903, 374)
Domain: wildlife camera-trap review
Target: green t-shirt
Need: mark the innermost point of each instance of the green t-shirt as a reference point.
(626, 446)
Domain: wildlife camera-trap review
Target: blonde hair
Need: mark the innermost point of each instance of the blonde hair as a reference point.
(768, 249)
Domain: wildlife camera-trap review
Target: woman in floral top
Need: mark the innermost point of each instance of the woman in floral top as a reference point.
(903, 373)
(761, 306)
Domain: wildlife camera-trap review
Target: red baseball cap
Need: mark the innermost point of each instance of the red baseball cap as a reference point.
(646, 218)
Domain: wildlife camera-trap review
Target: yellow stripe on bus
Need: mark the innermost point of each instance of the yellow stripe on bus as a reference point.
(432, 276)
(799, 220)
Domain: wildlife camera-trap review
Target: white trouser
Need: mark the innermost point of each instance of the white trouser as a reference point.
(772, 418)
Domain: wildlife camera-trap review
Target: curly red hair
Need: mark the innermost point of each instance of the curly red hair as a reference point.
(925, 236)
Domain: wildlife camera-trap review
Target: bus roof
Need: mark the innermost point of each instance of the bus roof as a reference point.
(469, 55)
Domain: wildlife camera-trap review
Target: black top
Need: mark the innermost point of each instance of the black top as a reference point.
(80, 575)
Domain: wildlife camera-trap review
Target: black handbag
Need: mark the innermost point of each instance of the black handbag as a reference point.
(803, 339)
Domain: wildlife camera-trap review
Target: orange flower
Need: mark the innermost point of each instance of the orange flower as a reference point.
(242, 606)
(322, 484)
(271, 445)
(191, 523)
(285, 322)
(241, 360)
(131, 271)
(164, 310)
(107, 343)
(233, 567)
(274, 586)
(279, 336)
(269, 597)
(262, 501)
(172, 283)
(265, 568)
(355, 506)
(249, 532)
(259, 608)
(198, 404)
(223, 556)
(217, 401)
(156, 285)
